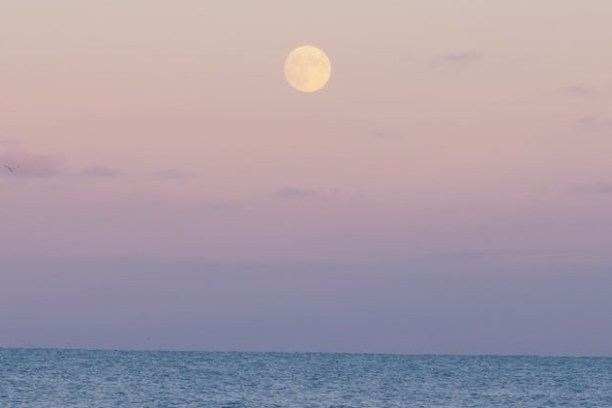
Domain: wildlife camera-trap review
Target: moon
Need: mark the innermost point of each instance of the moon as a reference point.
(307, 69)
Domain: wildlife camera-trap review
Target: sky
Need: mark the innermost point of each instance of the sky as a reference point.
(448, 191)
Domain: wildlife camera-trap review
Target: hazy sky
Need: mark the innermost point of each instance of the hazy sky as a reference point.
(449, 191)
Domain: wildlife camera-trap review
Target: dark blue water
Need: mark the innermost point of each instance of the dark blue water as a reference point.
(75, 378)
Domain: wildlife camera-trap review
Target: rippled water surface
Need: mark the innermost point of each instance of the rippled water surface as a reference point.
(74, 378)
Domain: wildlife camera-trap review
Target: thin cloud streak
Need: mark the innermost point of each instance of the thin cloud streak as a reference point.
(173, 174)
(580, 90)
(30, 164)
(595, 123)
(595, 188)
(220, 206)
(456, 59)
(296, 193)
(586, 91)
(384, 134)
(9, 142)
(101, 172)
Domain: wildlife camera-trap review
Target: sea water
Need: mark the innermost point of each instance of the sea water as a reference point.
(109, 379)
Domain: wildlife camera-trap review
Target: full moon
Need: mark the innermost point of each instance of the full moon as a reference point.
(307, 69)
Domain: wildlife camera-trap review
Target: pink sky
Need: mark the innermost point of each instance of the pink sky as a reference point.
(166, 129)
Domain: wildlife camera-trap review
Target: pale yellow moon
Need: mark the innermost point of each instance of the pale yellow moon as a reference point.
(307, 68)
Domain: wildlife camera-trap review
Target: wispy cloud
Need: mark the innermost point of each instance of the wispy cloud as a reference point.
(8, 142)
(595, 188)
(408, 59)
(101, 171)
(296, 193)
(580, 90)
(220, 206)
(30, 164)
(456, 59)
(596, 123)
(586, 91)
(172, 174)
(385, 134)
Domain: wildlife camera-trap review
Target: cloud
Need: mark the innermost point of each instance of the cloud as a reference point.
(386, 134)
(585, 91)
(30, 164)
(408, 58)
(9, 142)
(595, 188)
(220, 206)
(595, 123)
(456, 59)
(172, 174)
(296, 193)
(100, 171)
(580, 90)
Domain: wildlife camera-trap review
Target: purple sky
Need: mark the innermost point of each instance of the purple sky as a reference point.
(449, 191)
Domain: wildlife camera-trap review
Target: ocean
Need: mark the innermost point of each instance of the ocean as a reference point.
(109, 379)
